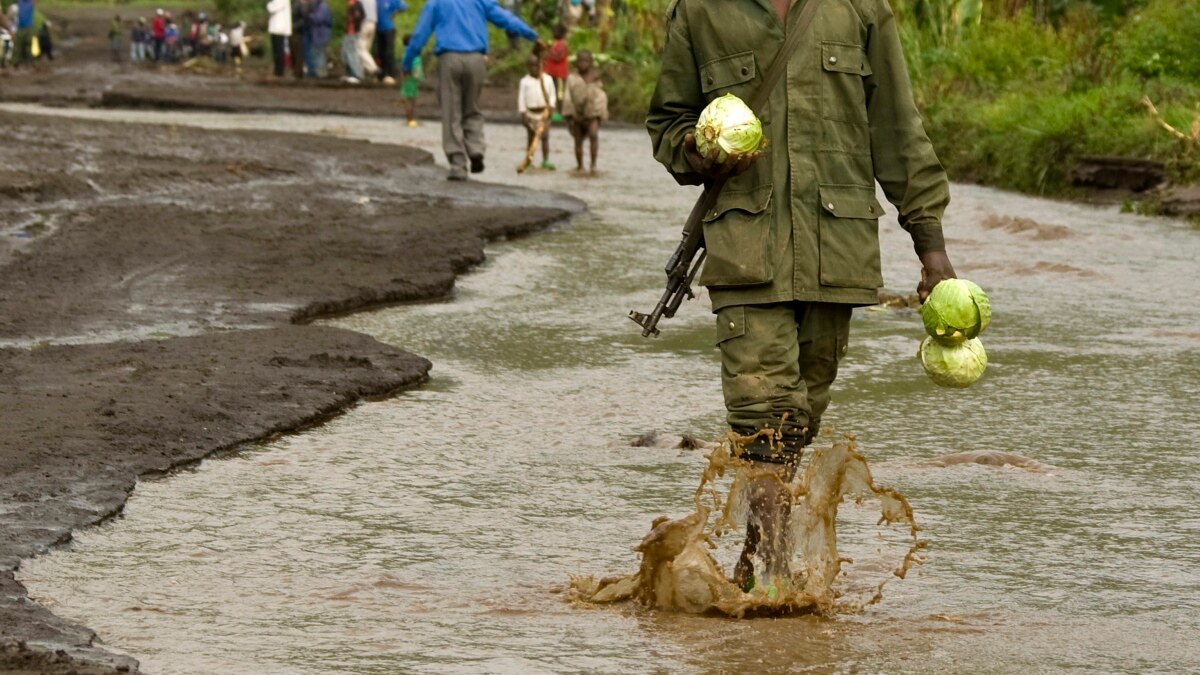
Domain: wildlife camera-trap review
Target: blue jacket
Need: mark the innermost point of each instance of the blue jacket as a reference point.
(319, 24)
(461, 26)
(386, 9)
(24, 14)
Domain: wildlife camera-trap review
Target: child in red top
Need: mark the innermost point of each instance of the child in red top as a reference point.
(556, 64)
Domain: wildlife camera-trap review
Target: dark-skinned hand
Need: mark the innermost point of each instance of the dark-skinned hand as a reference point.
(935, 266)
(709, 166)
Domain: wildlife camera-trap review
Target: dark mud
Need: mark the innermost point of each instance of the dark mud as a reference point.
(115, 235)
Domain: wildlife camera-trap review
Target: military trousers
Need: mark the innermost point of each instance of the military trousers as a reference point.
(778, 362)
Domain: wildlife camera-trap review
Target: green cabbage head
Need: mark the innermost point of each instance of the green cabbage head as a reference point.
(955, 366)
(729, 125)
(955, 311)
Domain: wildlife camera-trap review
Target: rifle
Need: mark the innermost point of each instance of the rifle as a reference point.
(683, 265)
(685, 262)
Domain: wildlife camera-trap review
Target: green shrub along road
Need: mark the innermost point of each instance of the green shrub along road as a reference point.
(1011, 97)
(1014, 102)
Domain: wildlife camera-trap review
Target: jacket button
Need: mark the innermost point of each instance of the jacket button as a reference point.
(870, 209)
(833, 59)
(710, 79)
(732, 325)
(745, 71)
(829, 206)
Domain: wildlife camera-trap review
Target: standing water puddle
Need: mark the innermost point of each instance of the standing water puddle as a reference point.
(431, 531)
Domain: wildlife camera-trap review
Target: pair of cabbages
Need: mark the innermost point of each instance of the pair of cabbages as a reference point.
(955, 313)
(728, 125)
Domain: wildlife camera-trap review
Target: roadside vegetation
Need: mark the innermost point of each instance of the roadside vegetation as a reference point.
(1014, 98)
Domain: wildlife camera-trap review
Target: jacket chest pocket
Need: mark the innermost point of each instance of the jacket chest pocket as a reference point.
(849, 237)
(737, 236)
(843, 96)
(735, 74)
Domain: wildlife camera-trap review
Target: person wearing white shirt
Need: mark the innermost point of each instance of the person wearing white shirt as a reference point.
(536, 99)
(366, 37)
(279, 25)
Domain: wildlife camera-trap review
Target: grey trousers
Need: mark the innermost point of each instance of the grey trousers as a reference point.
(460, 81)
(350, 57)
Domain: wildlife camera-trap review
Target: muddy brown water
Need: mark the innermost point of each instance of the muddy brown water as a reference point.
(430, 532)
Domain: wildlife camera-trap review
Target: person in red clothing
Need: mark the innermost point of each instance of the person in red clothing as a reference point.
(158, 31)
(557, 63)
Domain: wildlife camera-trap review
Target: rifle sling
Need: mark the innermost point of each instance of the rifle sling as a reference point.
(759, 100)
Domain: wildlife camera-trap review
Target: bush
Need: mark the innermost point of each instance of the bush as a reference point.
(1016, 104)
(1163, 40)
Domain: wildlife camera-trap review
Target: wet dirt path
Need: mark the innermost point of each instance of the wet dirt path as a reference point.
(430, 531)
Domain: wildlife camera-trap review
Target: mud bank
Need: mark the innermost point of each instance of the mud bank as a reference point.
(148, 279)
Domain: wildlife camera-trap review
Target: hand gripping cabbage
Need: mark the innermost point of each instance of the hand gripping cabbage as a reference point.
(728, 126)
(955, 311)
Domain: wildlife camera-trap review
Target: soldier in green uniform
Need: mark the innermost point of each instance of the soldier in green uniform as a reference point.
(793, 243)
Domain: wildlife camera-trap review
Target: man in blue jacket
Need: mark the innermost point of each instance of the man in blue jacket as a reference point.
(462, 45)
(25, 32)
(318, 27)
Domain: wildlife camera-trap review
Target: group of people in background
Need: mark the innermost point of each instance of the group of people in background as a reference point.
(25, 36)
(161, 40)
(460, 27)
(301, 31)
(551, 93)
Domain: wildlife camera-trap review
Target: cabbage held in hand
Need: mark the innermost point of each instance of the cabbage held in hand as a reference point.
(955, 366)
(729, 126)
(956, 310)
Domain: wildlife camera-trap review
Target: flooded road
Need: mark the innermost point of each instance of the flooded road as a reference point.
(430, 532)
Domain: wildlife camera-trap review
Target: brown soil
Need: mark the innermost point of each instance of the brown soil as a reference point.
(115, 233)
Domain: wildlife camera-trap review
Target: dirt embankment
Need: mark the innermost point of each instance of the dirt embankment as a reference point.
(113, 236)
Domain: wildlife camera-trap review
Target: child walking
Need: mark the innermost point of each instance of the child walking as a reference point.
(412, 85)
(535, 103)
(585, 105)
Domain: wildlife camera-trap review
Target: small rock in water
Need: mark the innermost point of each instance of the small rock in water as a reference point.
(646, 440)
(990, 458)
(653, 439)
(893, 300)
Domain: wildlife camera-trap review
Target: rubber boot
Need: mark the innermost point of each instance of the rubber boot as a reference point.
(768, 534)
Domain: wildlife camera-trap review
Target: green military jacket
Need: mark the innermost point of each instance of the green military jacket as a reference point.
(802, 222)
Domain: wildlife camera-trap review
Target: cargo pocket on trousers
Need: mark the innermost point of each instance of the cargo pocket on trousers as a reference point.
(731, 323)
(737, 235)
(849, 237)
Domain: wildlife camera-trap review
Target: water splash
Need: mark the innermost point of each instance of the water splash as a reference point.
(679, 573)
